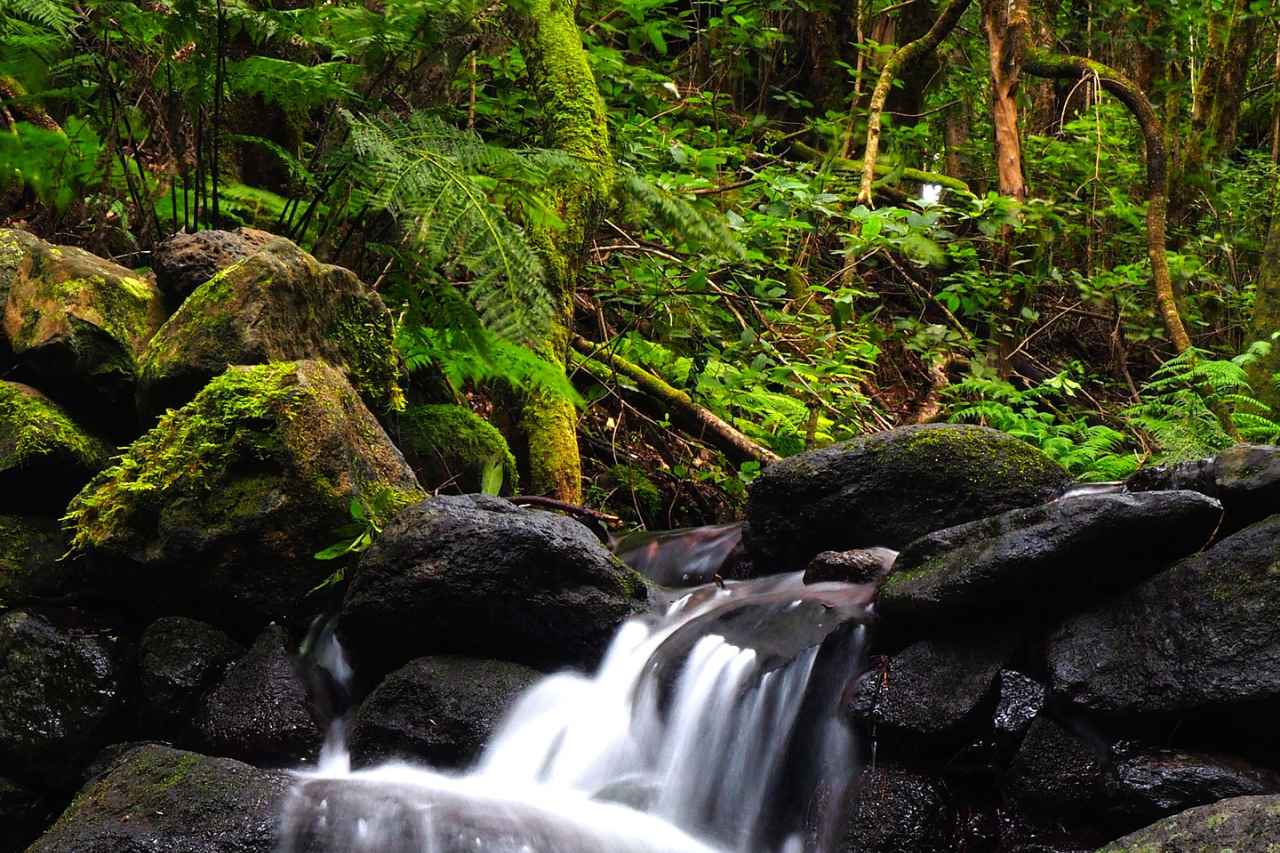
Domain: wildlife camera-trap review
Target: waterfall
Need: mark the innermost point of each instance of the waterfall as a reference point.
(713, 726)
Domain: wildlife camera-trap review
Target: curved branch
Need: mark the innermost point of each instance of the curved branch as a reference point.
(1043, 63)
(909, 52)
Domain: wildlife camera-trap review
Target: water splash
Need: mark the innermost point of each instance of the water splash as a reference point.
(714, 726)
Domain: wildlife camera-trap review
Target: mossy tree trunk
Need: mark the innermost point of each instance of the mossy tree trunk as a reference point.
(1266, 320)
(575, 122)
(904, 56)
(1005, 22)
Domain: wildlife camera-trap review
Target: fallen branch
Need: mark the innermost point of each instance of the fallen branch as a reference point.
(695, 419)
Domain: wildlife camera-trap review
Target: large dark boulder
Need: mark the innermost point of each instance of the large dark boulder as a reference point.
(279, 304)
(74, 325)
(1058, 775)
(1239, 824)
(179, 661)
(1203, 635)
(156, 798)
(184, 261)
(61, 691)
(478, 576)
(1147, 785)
(894, 810)
(1045, 558)
(890, 488)
(1245, 479)
(261, 712)
(45, 457)
(438, 710)
(932, 692)
(219, 510)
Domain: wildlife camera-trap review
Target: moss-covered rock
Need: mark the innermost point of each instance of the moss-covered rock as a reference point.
(156, 798)
(279, 304)
(74, 324)
(45, 457)
(219, 509)
(1239, 824)
(890, 488)
(30, 550)
(451, 447)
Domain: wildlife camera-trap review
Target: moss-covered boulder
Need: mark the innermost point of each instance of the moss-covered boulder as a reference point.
(31, 548)
(218, 510)
(890, 488)
(451, 448)
(155, 798)
(45, 457)
(74, 325)
(1239, 824)
(279, 304)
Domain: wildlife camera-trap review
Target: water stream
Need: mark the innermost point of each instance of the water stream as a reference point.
(713, 724)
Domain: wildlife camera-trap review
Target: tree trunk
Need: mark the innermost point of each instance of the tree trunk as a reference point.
(1215, 115)
(1006, 23)
(1044, 64)
(911, 52)
(576, 122)
(1266, 321)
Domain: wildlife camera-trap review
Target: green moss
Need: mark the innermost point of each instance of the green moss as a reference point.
(448, 441)
(232, 419)
(368, 345)
(32, 427)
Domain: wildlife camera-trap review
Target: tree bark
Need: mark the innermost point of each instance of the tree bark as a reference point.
(1045, 64)
(1266, 321)
(1215, 114)
(1007, 23)
(911, 52)
(575, 122)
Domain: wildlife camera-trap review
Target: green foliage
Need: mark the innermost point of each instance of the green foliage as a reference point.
(370, 513)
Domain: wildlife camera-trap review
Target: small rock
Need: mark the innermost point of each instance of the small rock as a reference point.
(1021, 699)
(60, 683)
(896, 811)
(31, 559)
(185, 261)
(1151, 785)
(45, 457)
(438, 710)
(1245, 479)
(1056, 775)
(478, 576)
(890, 488)
(859, 566)
(933, 692)
(260, 712)
(180, 659)
(156, 798)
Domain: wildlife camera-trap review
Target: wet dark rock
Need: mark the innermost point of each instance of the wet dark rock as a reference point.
(931, 692)
(1021, 699)
(1244, 478)
(61, 690)
(1238, 824)
(1045, 558)
(478, 576)
(179, 660)
(1150, 785)
(32, 548)
(1205, 634)
(437, 710)
(185, 261)
(1056, 774)
(157, 798)
(260, 711)
(24, 811)
(218, 512)
(861, 565)
(890, 488)
(279, 304)
(894, 810)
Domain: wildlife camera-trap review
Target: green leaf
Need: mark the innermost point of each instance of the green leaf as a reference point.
(492, 477)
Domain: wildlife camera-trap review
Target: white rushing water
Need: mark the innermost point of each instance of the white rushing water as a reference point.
(686, 740)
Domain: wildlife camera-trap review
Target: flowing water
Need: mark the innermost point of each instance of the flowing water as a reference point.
(713, 725)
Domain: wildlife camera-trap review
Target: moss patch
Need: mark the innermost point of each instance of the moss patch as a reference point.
(446, 443)
(33, 428)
